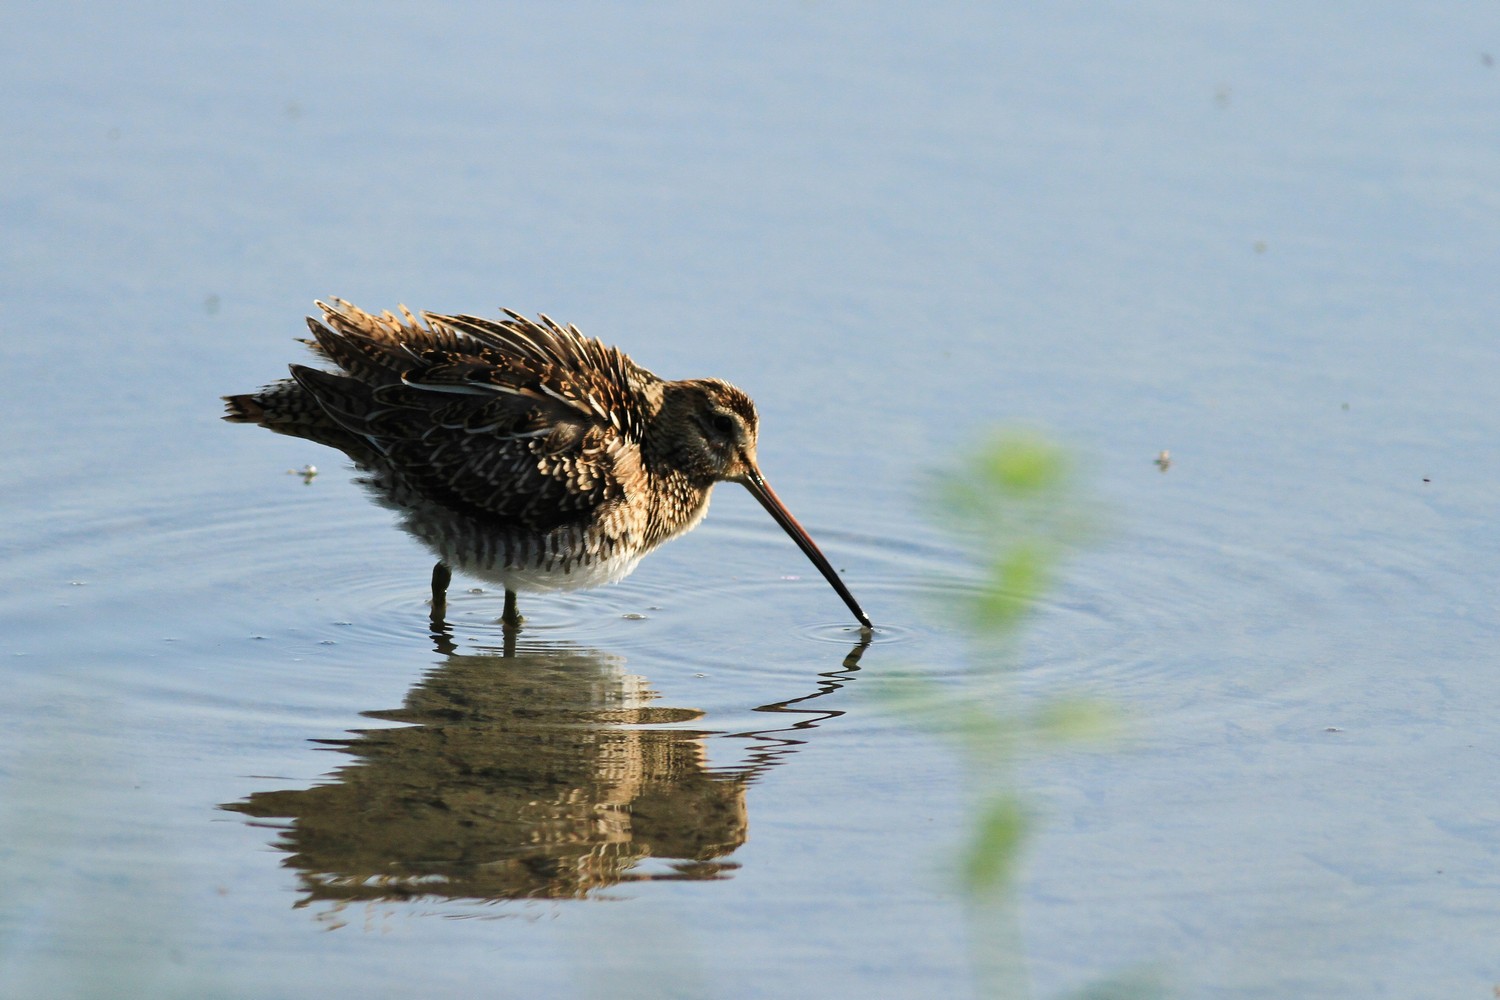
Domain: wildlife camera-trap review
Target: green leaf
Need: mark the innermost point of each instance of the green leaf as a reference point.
(1067, 720)
(1022, 465)
(996, 845)
(1017, 578)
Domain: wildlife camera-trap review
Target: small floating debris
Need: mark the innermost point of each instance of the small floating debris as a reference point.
(1163, 460)
(633, 616)
(307, 472)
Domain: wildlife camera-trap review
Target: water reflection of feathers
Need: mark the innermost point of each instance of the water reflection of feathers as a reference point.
(545, 773)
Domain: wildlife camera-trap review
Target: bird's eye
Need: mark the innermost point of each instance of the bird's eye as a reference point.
(722, 423)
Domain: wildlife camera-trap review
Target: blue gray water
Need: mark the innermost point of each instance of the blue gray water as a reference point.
(234, 759)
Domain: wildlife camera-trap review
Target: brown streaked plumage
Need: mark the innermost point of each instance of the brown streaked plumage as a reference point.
(520, 451)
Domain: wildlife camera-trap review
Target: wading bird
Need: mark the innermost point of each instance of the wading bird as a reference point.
(519, 451)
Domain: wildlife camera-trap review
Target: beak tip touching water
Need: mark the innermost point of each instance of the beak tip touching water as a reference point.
(762, 491)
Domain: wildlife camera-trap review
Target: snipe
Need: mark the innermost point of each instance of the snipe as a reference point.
(520, 452)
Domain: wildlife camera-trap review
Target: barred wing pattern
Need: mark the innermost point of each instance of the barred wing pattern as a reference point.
(514, 422)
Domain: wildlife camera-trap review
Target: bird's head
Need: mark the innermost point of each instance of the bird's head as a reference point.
(708, 430)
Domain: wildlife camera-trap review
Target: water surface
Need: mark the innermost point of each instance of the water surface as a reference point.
(239, 761)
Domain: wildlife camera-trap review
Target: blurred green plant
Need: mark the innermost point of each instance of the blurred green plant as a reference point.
(1015, 505)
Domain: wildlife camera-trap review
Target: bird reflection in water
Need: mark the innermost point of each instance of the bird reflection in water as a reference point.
(543, 772)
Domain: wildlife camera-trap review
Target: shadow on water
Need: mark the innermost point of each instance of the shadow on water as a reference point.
(537, 771)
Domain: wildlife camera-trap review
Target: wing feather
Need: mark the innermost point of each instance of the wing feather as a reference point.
(518, 421)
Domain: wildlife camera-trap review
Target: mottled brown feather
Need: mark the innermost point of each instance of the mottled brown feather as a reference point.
(506, 421)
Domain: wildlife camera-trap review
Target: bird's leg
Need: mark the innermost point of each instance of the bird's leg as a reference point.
(511, 617)
(441, 576)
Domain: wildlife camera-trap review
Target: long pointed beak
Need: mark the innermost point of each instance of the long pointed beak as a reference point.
(762, 491)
